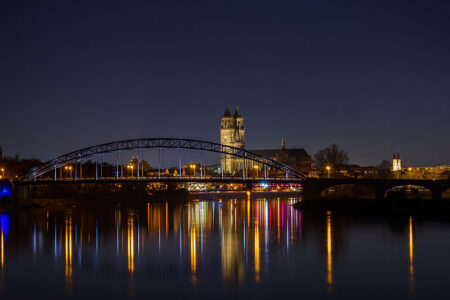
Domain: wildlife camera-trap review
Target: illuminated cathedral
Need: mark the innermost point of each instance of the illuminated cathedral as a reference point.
(232, 134)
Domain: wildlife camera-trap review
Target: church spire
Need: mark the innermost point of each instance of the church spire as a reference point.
(237, 113)
(283, 144)
(227, 112)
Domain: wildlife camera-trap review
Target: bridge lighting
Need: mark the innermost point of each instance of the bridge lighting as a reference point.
(3, 172)
(130, 166)
(70, 169)
(328, 170)
(256, 168)
(193, 167)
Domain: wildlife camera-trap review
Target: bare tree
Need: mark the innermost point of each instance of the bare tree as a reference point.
(332, 156)
(385, 166)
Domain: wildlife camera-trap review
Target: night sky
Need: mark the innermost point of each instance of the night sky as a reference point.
(371, 76)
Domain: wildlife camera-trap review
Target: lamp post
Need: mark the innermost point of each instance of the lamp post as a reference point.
(131, 167)
(328, 170)
(3, 172)
(256, 168)
(193, 167)
(70, 170)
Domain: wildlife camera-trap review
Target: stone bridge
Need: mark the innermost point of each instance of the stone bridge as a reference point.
(313, 187)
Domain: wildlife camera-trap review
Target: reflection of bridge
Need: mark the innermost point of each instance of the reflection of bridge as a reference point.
(96, 152)
(312, 188)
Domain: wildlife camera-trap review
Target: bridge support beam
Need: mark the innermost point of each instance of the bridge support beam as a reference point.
(138, 164)
(117, 166)
(159, 163)
(101, 167)
(179, 162)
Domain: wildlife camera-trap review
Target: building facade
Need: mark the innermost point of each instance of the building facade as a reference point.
(396, 163)
(296, 158)
(232, 133)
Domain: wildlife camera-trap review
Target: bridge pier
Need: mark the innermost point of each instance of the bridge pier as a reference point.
(22, 195)
(436, 193)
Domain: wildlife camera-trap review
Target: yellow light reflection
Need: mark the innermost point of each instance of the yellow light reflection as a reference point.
(329, 252)
(68, 253)
(411, 255)
(257, 267)
(248, 212)
(193, 255)
(130, 244)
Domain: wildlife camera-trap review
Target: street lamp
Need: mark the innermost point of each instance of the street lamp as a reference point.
(131, 167)
(3, 172)
(328, 169)
(193, 167)
(70, 169)
(256, 168)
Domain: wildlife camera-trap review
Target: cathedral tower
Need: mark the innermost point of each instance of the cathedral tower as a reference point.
(232, 134)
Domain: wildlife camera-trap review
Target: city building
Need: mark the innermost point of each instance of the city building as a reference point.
(296, 158)
(232, 133)
(433, 173)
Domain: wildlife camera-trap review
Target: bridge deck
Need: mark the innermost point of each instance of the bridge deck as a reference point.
(240, 180)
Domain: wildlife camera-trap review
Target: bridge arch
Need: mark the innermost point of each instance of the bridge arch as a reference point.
(408, 192)
(162, 143)
(348, 190)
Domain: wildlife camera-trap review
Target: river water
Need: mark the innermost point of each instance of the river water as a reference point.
(229, 248)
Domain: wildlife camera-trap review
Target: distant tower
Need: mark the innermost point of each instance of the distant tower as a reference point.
(232, 134)
(283, 144)
(396, 162)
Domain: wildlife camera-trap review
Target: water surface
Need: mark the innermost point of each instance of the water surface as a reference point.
(229, 248)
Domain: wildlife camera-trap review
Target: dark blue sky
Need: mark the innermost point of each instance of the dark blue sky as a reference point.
(372, 76)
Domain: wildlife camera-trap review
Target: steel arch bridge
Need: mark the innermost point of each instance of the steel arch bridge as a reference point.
(159, 143)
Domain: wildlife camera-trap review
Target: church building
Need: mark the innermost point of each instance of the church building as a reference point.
(232, 134)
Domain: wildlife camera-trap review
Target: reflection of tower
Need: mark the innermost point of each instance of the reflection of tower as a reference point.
(411, 255)
(396, 162)
(233, 261)
(232, 133)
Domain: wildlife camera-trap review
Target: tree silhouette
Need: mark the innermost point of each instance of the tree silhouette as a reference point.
(332, 156)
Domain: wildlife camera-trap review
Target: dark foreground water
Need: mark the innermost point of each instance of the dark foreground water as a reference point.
(258, 248)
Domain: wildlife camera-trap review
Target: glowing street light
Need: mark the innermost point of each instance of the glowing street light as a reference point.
(256, 168)
(3, 172)
(70, 169)
(328, 169)
(193, 167)
(130, 166)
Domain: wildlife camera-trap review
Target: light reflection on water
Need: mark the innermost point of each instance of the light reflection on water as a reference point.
(246, 247)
